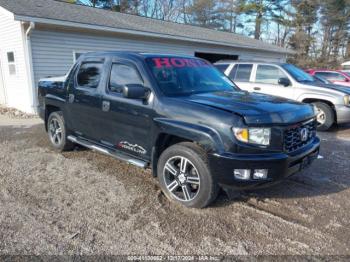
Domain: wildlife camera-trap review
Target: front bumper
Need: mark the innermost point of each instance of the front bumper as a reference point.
(343, 114)
(279, 165)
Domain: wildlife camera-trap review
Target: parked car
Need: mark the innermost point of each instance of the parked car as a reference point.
(335, 76)
(286, 80)
(180, 117)
(322, 80)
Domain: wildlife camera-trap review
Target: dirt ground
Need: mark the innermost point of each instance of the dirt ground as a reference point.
(82, 202)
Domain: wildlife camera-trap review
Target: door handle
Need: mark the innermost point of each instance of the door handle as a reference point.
(106, 106)
(257, 88)
(71, 98)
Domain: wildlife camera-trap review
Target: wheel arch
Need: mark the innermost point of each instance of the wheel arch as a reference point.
(49, 109)
(327, 102)
(172, 132)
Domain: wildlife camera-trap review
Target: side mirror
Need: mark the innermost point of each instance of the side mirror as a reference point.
(135, 91)
(284, 81)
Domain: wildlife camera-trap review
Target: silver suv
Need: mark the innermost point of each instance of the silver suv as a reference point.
(289, 81)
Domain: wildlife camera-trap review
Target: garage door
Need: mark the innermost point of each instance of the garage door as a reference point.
(2, 88)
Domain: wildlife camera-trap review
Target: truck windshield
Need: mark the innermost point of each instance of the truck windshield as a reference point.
(298, 74)
(177, 76)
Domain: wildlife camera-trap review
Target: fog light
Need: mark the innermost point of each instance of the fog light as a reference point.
(260, 174)
(242, 174)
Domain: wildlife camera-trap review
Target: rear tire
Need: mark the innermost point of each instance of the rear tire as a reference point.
(325, 116)
(57, 132)
(184, 176)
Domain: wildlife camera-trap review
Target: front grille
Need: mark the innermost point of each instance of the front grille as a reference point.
(293, 135)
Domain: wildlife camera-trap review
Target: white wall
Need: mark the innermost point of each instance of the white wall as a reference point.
(2, 88)
(52, 50)
(11, 40)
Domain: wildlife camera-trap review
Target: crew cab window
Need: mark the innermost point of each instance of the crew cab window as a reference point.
(331, 76)
(241, 72)
(89, 74)
(268, 74)
(122, 75)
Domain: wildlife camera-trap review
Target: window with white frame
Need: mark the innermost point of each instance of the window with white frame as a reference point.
(11, 63)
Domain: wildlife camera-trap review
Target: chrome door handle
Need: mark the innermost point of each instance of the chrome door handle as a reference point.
(106, 106)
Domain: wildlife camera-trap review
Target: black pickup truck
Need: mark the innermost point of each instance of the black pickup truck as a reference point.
(180, 117)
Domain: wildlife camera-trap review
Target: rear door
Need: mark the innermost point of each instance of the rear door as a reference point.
(265, 80)
(241, 74)
(127, 122)
(84, 98)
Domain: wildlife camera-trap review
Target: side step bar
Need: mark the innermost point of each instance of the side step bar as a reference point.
(119, 156)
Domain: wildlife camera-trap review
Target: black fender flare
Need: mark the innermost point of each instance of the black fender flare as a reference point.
(205, 136)
(54, 101)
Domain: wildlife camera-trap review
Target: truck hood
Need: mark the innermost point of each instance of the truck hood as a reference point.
(256, 108)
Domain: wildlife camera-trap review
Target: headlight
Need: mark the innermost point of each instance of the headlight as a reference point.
(259, 136)
(347, 100)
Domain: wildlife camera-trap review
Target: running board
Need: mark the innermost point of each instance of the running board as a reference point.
(119, 156)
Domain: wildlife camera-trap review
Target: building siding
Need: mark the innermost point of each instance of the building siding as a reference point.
(52, 50)
(16, 86)
(2, 88)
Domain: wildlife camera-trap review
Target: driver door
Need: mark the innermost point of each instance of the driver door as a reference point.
(127, 122)
(266, 81)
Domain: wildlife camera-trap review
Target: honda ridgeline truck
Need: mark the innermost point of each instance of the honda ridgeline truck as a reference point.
(182, 118)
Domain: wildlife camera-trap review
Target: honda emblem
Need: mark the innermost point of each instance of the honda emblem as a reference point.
(304, 134)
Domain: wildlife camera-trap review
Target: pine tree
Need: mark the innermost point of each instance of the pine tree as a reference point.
(304, 20)
(262, 11)
(205, 13)
(335, 20)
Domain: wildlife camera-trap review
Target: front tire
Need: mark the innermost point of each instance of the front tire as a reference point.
(325, 116)
(57, 132)
(184, 176)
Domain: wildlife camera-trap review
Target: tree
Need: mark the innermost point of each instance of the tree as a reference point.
(259, 12)
(335, 20)
(347, 52)
(304, 20)
(229, 11)
(205, 13)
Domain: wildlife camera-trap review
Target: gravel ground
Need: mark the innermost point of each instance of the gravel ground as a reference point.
(81, 202)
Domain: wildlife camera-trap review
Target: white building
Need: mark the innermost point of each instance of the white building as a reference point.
(41, 38)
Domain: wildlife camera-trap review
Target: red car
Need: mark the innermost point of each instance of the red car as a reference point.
(335, 76)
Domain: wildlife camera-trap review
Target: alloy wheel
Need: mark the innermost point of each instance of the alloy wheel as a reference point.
(181, 178)
(321, 116)
(55, 131)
